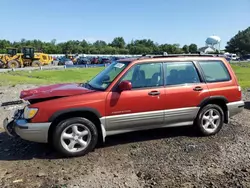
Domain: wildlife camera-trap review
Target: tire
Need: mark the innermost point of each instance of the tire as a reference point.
(204, 120)
(67, 128)
(36, 63)
(13, 64)
(2, 65)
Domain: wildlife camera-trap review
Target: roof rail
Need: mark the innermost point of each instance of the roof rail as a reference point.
(145, 56)
(165, 54)
(184, 55)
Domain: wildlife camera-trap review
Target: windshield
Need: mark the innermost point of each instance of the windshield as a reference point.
(107, 76)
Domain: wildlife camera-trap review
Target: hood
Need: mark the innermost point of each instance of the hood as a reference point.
(54, 91)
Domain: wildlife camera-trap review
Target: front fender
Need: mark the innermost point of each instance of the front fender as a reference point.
(72, 110)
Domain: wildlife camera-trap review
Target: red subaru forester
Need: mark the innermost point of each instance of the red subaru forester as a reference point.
(130, 95)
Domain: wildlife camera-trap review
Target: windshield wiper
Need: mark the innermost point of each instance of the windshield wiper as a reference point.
(91, 87)
(88, 85)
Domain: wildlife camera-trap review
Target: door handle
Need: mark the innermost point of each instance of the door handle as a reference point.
(198, 88)
(154, 93)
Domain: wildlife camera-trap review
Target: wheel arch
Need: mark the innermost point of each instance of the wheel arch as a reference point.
(89, 113)
(220, 101)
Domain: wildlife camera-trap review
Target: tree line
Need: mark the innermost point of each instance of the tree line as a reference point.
(117, 46)
(239, 44)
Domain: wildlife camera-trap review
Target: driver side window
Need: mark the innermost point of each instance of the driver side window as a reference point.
(145, 75)
(129, 75)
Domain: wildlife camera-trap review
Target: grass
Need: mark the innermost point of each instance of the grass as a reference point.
(48, 76)
(242, 71)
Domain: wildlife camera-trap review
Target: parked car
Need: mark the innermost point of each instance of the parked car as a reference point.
(94, 60)
(105, 60)
(83, 61)
(245, 57)
(115, 58)
(65, 61)
(130, 95)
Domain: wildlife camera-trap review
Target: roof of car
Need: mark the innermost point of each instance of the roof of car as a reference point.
(173, 57)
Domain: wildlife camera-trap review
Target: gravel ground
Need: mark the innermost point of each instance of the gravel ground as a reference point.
(171, 157)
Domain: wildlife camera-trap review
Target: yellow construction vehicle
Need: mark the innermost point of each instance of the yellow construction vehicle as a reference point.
(11, 57)
(27, 57)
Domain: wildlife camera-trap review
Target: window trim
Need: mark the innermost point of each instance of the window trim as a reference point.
(223, 65)
(143, 88)
(197, 68)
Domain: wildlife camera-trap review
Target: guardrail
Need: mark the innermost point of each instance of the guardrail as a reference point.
(53, 67)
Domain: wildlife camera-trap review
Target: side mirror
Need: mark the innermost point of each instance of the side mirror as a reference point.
(125, 85)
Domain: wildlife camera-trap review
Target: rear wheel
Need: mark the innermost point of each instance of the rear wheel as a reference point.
(36, 63)
(210, 120)
(75, 137)
(13, 64)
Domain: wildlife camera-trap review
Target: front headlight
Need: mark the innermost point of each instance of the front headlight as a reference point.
(29, 112)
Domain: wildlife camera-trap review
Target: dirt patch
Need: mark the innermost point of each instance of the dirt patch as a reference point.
(171, 157)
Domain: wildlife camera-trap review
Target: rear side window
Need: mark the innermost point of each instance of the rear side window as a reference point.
(181, 73)
(215, 71)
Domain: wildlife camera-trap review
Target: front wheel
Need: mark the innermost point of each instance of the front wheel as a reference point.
(36, 63)
(210, 120)
(75, 137)
(13, 64)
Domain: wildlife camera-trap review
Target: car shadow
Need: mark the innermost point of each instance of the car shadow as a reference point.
(13, 149)
(18, 149)
(247, 105)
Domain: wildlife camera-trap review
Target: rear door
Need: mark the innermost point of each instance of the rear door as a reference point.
(219, 80)
(184, 91)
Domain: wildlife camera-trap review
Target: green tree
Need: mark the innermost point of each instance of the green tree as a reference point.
(100, 43)
(240, 43)
(193, 48)
(84, 44)
(185, 49)
(118, 42)
(53, 42)
(3, 45)
(117, 46)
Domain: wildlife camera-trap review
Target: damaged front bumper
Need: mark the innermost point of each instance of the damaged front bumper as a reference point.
(20, 127)
(9, 125)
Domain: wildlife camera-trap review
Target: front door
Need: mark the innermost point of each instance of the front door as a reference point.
(184, 91)
(139, 108)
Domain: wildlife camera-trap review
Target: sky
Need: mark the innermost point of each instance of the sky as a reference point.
(163, 21)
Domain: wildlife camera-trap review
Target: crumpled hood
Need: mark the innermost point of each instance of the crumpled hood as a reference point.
(56, 90)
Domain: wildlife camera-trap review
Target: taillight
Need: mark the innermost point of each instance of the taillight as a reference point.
(239, 88)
